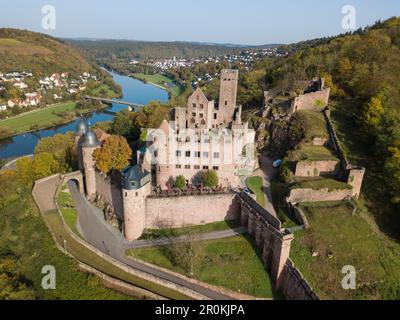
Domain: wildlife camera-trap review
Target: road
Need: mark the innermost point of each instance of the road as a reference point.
(110, 241)
(12, 164)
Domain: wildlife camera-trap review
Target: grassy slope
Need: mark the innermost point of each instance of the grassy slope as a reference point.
(24, 232)
(341, 239)
(369, 241)
(232, 263)
(255, 184)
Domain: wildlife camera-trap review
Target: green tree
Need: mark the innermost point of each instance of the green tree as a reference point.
(122, 123)
(210, 178)
(114, 154)
(180, 182)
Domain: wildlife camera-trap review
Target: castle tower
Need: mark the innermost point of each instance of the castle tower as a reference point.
(81, 129)
(89, 144)
(136, 188)
(227, 95)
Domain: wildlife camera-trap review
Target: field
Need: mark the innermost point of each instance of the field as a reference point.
(314, 124)
(231, 263)
(255, 184)
(38, 119)
(160, 80)
(339, 238)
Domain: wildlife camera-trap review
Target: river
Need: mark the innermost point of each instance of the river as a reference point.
(133, 91)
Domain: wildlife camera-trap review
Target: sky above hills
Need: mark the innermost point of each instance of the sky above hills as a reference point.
(252, 22)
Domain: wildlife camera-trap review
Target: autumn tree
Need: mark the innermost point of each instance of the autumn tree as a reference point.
(62, 146)
(42, 165)
(114, 154)
(373, 112)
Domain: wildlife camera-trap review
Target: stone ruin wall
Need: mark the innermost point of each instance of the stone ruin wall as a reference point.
(307, 101)
(190, 210)
(317, 168)
(310, 195)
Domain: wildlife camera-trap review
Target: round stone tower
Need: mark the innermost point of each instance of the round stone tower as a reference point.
(136, 187)
(89, 144)
(81, 129)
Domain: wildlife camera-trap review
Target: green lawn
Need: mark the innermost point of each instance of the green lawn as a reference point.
(217, 226)
(342, 239)
(40, 118)
(316, 153)
(255, 184)
(161, 80)
(319, 183)
(68, 210)
(314, 124)
(231, 263)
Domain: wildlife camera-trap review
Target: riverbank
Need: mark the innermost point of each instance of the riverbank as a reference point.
(51, 116)
(160, 81)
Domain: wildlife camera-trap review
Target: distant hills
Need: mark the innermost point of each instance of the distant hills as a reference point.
(125, 49)
(22, 50)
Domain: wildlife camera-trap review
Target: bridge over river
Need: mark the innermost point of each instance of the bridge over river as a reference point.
(134, 106)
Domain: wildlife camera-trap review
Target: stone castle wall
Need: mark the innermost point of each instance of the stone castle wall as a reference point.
(110, 193)
(294, 286)
(190, 210)
(310, 195)
(317, 168)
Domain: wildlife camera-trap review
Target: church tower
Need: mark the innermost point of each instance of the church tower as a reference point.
(227, 95)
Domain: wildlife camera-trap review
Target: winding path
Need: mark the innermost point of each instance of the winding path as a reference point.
(108, 240)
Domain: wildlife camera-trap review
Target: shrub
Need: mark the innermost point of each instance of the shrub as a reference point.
(210, 178)
(180, 182)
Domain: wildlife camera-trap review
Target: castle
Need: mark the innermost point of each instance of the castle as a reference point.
(207, 135)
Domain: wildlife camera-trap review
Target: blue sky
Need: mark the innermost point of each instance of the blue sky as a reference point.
(222, 21)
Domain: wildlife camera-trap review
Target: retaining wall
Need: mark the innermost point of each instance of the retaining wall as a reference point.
(310, 195)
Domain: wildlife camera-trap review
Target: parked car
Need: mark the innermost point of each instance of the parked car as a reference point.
(277, 163)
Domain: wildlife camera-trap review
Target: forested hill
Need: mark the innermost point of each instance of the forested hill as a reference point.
(125, 49)
(363, 71)
(41, 54)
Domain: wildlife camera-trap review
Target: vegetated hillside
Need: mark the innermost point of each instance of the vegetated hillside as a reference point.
(125, 49)
(363, 71)
(22, 50)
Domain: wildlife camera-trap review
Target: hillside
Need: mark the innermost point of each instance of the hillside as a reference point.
(40, 54)
(124, 49)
